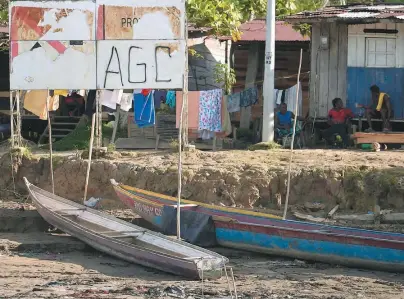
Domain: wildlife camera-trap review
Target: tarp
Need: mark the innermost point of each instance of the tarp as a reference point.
(196, 228)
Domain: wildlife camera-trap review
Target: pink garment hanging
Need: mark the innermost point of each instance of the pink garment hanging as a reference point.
(193, 109)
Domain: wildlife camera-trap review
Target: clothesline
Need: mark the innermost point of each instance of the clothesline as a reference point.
(277, 78)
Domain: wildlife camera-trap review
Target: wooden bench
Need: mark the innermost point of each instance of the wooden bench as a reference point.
(379, 137)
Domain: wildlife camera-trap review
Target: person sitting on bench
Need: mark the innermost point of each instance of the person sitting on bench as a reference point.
(380, 108)
(338, 119)
(284, 122)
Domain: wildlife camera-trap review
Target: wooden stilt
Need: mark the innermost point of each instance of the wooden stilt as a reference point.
(96, 119)
(99, 119)
(18, 121)
(12, 118)
(90, 152)
(182, 132)
(50, 142)
(293, 136)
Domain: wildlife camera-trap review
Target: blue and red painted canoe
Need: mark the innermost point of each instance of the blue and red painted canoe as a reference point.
(266, 233)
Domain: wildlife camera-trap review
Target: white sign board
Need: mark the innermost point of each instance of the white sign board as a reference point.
(140, 64)
(52, 65)
(141, 19)
(52, 20)
(121, 44)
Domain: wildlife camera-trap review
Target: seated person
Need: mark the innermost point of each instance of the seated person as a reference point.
(338, 119)
(284, 122)
(73, 105)
(380, 108)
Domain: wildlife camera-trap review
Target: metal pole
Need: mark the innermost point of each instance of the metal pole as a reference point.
(269, 102)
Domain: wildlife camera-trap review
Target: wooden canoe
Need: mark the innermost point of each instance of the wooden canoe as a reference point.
(265, 233)
(124, 240)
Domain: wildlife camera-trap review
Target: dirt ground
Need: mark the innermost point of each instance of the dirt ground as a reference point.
(88, 274)
(38, 265)
(35, 264)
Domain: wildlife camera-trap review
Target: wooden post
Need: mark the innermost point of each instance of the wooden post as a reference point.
(293, 136)
(90, 152)
(18, 129)
(12, 118)
(99, 120)
(183, 130)
(50, 143)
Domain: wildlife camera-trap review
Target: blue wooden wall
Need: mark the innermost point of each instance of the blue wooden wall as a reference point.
(390, 80)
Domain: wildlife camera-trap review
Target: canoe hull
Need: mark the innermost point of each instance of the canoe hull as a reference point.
(141, 258)
(148, 210)
(123, 250)
(343, 250)
(251, 231)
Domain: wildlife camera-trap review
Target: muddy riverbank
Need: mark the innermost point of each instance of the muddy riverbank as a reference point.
(354, 180)
(37, 264)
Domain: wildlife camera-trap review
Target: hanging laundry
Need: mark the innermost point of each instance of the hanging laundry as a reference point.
(35, 102)
(126, 101)
(233, 102)
(249, 97)
(193, 109)
(226, 127)
(290, 99)
(144, 112)
(206, 135)
(110, 98)
(159, 97)
(146, 92)
(278, 96)
(72, 91)
(226, 121)
(170, 99)
(61, 92)
(210, 110)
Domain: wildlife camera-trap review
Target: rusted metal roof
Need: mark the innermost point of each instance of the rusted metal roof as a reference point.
(193, 28)
(255, 31)
(351, 14)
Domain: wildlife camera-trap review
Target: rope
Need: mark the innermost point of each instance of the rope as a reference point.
(203, 295)
(12, 170)
(234, 282)
(227, 277)
(277, 78)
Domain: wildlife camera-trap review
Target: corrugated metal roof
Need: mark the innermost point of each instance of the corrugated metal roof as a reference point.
(350, 14)
(193, 28)
(255, 31)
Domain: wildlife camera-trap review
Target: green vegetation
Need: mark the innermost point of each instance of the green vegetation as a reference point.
(265, 146)
(24, 152)
(79, 138)
(225, 76)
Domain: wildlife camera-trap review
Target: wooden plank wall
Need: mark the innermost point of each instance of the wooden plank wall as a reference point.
(329, 67)
(286, 65)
